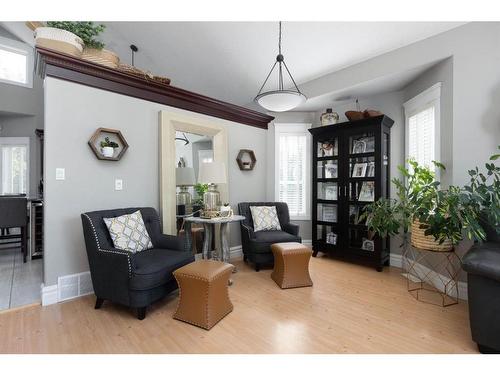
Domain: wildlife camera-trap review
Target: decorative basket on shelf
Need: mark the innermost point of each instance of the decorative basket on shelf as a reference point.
(423, 242)
(59, 40)
(141, 73)
(101, 57)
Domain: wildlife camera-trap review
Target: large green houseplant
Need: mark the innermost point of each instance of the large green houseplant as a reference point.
(446, 214)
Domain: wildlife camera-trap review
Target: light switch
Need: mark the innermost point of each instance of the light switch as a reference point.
(118, 184)
(60, 174)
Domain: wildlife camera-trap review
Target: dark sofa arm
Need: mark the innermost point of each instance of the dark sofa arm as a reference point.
(249, 231)
(483, 260)
(165, 241)
(293, 229)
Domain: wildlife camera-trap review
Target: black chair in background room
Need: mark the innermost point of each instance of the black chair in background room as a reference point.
(14, 214)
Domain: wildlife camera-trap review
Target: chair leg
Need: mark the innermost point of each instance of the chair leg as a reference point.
(98, 303)
(257, 267)
(245, 259)
(24, 243)
(141, 313)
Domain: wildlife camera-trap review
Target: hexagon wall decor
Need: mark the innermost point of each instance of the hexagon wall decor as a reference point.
(246, 160)
(114, 136)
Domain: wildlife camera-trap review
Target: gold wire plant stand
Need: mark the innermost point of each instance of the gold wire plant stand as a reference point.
(432, 276)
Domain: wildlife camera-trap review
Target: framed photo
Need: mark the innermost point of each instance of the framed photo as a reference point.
(353, 214)
(369, 143)
(359, 170)
(358, 146)
(368, 245)
(370, 170)
(330, 192)
(331, 170)
(328, 148)
(330, 213)
(331, 238)
(367, 193)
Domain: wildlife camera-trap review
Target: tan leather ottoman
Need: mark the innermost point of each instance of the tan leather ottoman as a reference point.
(203, 292)
(291, 265)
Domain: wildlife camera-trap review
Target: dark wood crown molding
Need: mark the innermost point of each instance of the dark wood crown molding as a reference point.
(55, 64)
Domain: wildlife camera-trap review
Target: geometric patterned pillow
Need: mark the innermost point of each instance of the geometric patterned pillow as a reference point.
(128, 232)
(265, 218)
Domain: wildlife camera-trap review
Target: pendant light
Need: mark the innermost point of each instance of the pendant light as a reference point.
(282, 99)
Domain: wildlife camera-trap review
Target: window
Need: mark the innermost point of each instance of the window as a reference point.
(292, 168)
(16, 63)
(14, 165)
(422, 126)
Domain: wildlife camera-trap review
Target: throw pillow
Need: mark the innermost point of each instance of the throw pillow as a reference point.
(265, 218)
(128, 232)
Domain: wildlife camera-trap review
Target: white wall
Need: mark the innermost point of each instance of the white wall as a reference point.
(72, 113)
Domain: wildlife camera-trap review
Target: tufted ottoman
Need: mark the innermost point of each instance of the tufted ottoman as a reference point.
(203, 292)
(291, 265)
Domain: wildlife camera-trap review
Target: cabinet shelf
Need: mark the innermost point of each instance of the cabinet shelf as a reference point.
(351, 240)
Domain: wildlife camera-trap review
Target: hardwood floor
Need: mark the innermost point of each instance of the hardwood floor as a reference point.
(350, 309)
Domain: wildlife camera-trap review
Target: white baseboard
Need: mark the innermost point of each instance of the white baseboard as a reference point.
(396, 260)
(67, 287)
(49, 294)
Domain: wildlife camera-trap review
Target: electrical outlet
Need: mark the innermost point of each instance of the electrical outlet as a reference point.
(118, 184)
(60, 174)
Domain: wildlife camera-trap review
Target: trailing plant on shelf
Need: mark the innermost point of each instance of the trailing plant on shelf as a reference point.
(88, 31)
(108, 143)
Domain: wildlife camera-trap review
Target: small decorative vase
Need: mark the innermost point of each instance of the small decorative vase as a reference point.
(329, 117)
(107, 152)
(226, 211)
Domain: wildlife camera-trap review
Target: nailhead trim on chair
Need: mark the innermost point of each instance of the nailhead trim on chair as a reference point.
(207, 284)
(107, 250)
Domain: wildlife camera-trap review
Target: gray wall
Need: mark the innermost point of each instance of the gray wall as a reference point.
(72, 113)
(441, 72)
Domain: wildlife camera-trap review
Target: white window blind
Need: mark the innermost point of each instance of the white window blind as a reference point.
(14, 156)
(421, 137)
(422, 114)
(16, 63)
(292, 168)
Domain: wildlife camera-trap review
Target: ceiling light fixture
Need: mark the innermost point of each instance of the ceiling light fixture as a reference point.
(282, 99)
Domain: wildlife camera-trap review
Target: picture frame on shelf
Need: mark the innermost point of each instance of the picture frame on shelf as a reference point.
(331, 170)
(329, 148)
(368, 245)
(330, 192)
(369, 143)
(358, 146)
(359, 170)
(367, 192)
(329, 213)
(370, 170)
(353, 214)
(331, 238)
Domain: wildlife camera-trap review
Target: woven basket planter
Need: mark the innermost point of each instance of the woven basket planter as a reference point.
(101, 57)
(59, 40)
(421, 241)
(141, 73)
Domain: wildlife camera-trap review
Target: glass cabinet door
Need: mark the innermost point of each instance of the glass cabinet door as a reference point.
(360, 188)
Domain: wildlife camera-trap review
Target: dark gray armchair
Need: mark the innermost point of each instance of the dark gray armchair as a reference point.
(482, 264)
(134, 280)
(257, 245)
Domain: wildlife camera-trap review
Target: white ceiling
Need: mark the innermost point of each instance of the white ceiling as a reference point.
(230, 60)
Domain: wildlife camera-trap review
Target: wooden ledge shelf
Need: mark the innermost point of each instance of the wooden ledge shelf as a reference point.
(58, 65)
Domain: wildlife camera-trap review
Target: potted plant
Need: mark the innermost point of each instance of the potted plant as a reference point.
(88, 32)
(198, 201)
(438, 218)
(108, 147)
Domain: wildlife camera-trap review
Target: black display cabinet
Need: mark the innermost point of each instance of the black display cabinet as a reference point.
(351, 167)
